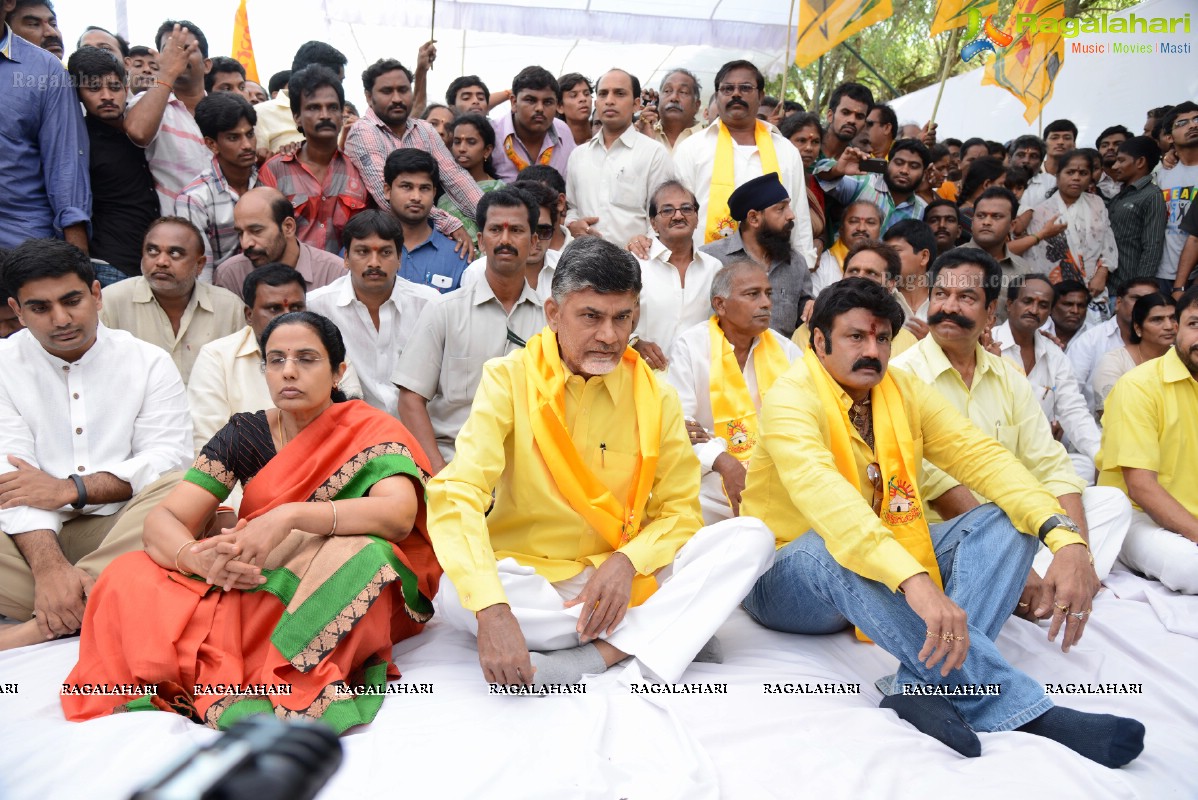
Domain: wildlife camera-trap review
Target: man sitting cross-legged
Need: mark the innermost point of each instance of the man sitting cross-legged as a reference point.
(596, 501)
(839, 430)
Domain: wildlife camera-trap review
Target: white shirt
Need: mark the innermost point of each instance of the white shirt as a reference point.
(1057, 389)
(615, 183)
(477, 269)
(119, 409)
(227, 379)
(827, 273)
(1037, 190)
(667, 307)
(1087, 349)
(456, 335)
(694, 160)
(375, 353)
(690, 374)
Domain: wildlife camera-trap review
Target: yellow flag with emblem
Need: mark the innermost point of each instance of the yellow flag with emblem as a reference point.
(1028, 67)
(823, 24)
(243, 46)
(955, 13)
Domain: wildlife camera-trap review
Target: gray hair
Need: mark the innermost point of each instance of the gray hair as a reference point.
(594, 263)
(687, 73)
(721, 284)
(670, 184)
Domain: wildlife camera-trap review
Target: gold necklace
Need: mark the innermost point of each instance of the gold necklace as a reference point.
(279, 419)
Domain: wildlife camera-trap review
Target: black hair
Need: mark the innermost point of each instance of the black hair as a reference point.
(1001, 193)
(670, 184)
(543, 173)
(121, 44)
(545, 198)
(974, 141)
(487, 134)
(769, 101)
(307, 80)
(324, 328)
(986, 168)
(572, 79)
(140, 51)
(349, 108)
(372, 222)
(739, 64)
(321, 53)
(35, 259)
(223, 111)
(1019, 281)
(535, 78)
(1144, 147)
(463, 82)
(915, 232)
(996, 149)
(894, 264)
(844, 212)
(962, 256)
(89, 64)
(166, 28)
(796, 122)
(942, 201)
(431, 107)
(590, 262)
(792, 107)
(508, 198)
(281, 210)
(1114, 130)
(937, 152)
(952, 142)
(380, 68)
(848, 295)
(1026, 141)
(408, 160)
(853, 91)
(1016, 177)
(1122, 289)
(1069, 286)
(4, 251)
(1060, 126)
(1139, 312)
(222, 64)
(183, 222)
(1188, 298)
(1075, 153)
(272, 274)
(912, 146)
(278, 81)
(888, 117)
(634, 80)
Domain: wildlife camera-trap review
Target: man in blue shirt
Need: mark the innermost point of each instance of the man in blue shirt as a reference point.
(43, 164)
(411, 182)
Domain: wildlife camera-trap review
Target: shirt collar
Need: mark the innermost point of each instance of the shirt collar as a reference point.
(6, 43)
(1174, 371)
(103, 334)
(481, 291)
(200, 294)
(939, 362)
(248, 345)
(1140, 184)
(614, 381)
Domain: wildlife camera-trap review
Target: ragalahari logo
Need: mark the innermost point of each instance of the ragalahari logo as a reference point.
(981, 38)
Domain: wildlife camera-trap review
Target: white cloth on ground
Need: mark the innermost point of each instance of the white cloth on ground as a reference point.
(1108, 514)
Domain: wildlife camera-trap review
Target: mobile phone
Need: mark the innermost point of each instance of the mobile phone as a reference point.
(873, 165)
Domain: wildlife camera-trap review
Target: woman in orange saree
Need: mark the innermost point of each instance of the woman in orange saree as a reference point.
(295, 609)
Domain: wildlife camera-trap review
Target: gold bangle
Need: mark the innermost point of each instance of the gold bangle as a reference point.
(333, 530)
(178, 553)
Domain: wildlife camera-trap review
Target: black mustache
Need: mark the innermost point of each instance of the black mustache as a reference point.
(735, 102)
(328, 125)
(506, 249)
(867, 363)
(956, 319)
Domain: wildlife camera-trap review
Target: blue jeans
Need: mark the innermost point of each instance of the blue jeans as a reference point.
(984, 562)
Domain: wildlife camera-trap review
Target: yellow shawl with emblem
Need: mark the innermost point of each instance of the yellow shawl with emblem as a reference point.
(732, 408)
(723, 179)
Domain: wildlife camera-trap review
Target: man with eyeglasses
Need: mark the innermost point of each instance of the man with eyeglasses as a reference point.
(679, 98)
(676, 277)
(736, 149)
(609, 177)
(1178, 186)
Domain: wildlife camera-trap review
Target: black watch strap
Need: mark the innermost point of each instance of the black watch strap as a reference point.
(81, 500)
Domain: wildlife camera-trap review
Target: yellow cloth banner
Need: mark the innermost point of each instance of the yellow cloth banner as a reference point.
(617, 522)
(955, 13)
(1028, 67)
(823, 24)
(723, 179)
(243, 46)
(732, 408)
(902, 505)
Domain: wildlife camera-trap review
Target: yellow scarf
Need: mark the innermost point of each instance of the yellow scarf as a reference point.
(617, 522)
(732, 407)
(839, 251)
(902, 506)
(723, 179)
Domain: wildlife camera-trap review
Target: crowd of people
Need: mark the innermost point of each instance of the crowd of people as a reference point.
(283, 379)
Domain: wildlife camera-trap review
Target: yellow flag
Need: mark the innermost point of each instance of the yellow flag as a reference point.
(823, 24)
(243, 46)
(1028, 67)
(955, 13)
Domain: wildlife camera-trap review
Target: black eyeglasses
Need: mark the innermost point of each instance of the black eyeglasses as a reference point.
(544, 232)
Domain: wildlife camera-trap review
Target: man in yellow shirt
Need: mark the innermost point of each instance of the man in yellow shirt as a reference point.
(1151, 424)
(836, 477)
(595, 501)
(997, 397)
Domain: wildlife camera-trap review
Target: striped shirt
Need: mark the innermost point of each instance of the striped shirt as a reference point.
(873, 188)
(177, 154)
(370, 141)
(1138, 216)
(208, 202)
(321, 209)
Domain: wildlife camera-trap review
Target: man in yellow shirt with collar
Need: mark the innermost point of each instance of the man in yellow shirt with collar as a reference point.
(836, 477)
(596, 503)
(998, 399)
(1151, 424)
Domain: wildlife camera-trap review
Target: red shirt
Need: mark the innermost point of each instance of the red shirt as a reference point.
(321, 209)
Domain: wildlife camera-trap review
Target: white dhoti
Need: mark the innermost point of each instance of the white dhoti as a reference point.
(1160, 553)
(708, 578)
(1108, 514)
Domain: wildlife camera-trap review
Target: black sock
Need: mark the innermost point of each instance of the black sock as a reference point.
(1111, 741)
(936, 717)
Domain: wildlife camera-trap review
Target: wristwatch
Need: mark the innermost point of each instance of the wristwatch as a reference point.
(1057, 521)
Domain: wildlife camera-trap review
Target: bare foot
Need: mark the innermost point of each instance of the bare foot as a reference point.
(22, 635)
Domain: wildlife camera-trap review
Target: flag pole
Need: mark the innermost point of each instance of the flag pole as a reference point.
(432, 33)
(786, 60)
(953, 40)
